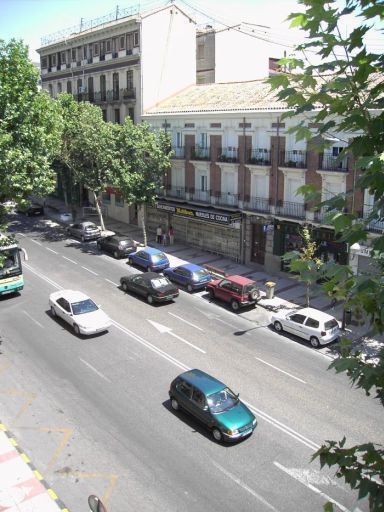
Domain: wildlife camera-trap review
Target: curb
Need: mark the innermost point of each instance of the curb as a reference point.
(33, 468)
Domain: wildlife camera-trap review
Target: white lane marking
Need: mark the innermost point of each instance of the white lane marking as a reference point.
(69, 259)
(22, 234)
(149, 345)
(96, 371)
(167, 330)
(284, 428)
(35, 241)
(51, 250)
(269, 419)
(185, 321)
(109, 281)
(279, 370)
(244, 486)
(310, 486)
(91, 271)
(31, 318)
(45, 278)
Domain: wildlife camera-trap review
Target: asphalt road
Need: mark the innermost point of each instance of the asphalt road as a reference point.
(94, 416)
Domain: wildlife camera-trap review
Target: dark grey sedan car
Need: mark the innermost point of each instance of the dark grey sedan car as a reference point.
(152, 286)
(117, 245)
(84, 230)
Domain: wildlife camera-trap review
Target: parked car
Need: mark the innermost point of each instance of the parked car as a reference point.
(31, 209)
(78, 310)
(150, 259)
(212, 403)
(238, 291)
(152, 286)
(192, 276)
(84, 230)
(308, 323)
(119, 246)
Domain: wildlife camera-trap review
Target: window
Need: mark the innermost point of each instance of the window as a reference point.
(198, 397)
(108, 47)
(106, 197)
(44, 61)
(131, 114)
(53, 60)
(297, 318)
(79, 86)
(59, 88)
(189, 125)
(136, 38)
(96, 49)
(311, 322)
(203, 140)
(122, 42)
(117, 115)
(103, 88)
(69, 87)
(104, 114)
(215, 125)
(73, 55)
(50, 90)
(115, 85)
(119, 200)
(245, 125)
(203, 183)
(62, 57)
(184, 388)
(130, 79)
(179, 140)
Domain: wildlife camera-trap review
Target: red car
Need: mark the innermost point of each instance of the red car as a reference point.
(238, 291)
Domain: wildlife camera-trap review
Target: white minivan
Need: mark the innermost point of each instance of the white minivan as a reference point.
(308, 323)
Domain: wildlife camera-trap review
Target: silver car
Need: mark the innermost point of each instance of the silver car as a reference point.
(84, 230)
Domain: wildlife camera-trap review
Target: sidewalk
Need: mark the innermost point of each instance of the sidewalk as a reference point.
(289, 292)
(23, 489)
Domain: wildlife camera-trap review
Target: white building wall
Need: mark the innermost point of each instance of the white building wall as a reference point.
(168, 58)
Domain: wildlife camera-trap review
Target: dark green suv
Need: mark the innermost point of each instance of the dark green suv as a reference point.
(213, 404)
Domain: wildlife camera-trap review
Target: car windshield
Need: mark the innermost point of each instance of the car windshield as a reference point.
(90, 228)
(330, 324)
(84, 306)
(222, 401)
(159, 282)
(123, 243)
(199, 274)
(158, 257)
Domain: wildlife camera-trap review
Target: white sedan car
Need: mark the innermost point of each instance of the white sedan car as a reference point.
(79, 311)
(308, 323)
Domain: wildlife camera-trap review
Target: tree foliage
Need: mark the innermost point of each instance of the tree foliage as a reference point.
(30, 127)
(338, 86)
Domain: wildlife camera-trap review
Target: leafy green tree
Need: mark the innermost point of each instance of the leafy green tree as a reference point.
(305, 262)
(30, 127)
(342, 91)
(142, 161)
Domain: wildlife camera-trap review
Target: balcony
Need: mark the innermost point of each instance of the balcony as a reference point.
(330, 162)
(106, 96)
(200, 153)
(258, 204)
(290, 209)
(201, 196)
(296, 159)
(128, 94)
(227, 199)
(176, 192)
(376, 226)
(229, 155)
(258, 157)
(178, 152)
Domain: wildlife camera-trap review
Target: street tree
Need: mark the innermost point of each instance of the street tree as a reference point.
(338, 86)
(30, 127)
(87, 149)
(143, 159)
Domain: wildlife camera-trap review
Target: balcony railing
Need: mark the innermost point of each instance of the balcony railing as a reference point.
(375, 225)
(295, 158)
(258, 157)
(128, 94)
(176, 192)
(259, 204)
(178, 152)
(199, 153)
(290, 209)
(229, 155)
(227, 199)
(203, 196)
(329, 162)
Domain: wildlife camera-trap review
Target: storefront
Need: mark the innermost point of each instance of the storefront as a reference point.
(216, 231)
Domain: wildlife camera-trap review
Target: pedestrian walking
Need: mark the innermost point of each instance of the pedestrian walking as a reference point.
(159, 234)
(171, 234)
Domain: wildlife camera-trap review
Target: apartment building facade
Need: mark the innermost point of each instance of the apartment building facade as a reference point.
(124, 63)
(235, 173)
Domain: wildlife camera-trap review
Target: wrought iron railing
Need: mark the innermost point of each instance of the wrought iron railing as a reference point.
(295, 159)
(229, 155)
(258, 157)
(259, 204)
(227, 199)
(200, 153)
(178, 152)
(176, 192)
(291, 209)
(330, 162)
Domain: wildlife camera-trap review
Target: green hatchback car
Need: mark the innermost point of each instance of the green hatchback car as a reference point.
(212, 403)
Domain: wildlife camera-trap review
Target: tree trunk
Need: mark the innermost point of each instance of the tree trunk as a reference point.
(142, 220)
(99, 210)
(307, 294)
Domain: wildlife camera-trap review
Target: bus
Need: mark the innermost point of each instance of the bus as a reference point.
(11, 272)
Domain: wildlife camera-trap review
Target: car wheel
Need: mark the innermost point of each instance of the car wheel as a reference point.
(76, 328)
(314, 341)
(278, 327)
(235, 305)
(124, 286)
(254, 295)
(217, 434)
(175, 404)
(189, 288)
(115, 254)
(149, 299)
(53, 312)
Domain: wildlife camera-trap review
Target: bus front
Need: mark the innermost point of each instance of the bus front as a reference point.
(11, 273)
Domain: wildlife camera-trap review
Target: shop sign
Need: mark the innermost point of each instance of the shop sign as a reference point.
(181, 211)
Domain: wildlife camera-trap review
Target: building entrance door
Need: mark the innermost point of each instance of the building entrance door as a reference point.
(258, 244)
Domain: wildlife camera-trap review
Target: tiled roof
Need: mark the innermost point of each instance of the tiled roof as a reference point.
(233, 96)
